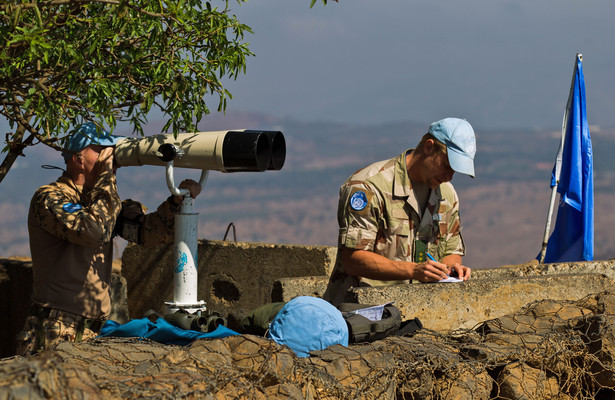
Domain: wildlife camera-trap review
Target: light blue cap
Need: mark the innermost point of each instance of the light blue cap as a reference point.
(458, 136)
(307, 324)
(85, 135)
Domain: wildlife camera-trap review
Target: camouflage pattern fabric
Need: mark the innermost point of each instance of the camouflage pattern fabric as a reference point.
(159, 226)
(378, 212)
(42, 333)
(148, 230)
(70, 232)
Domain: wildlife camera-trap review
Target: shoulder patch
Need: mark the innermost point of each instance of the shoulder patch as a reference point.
(358, 200)
(71, 207)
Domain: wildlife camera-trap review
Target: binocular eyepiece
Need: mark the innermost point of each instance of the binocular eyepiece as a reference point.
(195, 322)
(225, 151)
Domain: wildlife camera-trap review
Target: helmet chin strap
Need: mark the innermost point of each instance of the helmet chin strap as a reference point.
(47, 166)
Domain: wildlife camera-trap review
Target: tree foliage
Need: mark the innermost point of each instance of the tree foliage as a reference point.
(65, 62)
(324, 2)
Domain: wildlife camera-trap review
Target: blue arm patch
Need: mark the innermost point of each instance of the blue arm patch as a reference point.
(71, 207)
(358, 200)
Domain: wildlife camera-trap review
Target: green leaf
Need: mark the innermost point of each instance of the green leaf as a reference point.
(115, 62)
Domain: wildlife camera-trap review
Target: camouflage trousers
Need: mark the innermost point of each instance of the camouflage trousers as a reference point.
(46, 327)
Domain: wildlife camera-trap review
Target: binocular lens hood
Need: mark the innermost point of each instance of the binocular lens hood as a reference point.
(225, 151)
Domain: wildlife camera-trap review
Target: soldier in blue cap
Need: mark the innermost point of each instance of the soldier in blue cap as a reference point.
(399, 218)
(71, 224)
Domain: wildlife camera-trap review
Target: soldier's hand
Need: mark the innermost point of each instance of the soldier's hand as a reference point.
(132, 210)
(105, 160)
(430, 271)
(193, 186)
(460, 271)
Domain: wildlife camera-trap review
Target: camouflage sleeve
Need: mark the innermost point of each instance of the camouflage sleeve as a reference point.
(359, 213)
(451, 241)
(89, 226)
(159, 226)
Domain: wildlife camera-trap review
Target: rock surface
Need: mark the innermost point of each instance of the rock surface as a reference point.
(547, 350)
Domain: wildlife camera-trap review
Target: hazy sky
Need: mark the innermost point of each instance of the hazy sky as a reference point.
(498, 63)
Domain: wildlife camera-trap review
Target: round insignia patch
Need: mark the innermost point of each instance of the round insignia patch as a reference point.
(71, 207)
(358, 200)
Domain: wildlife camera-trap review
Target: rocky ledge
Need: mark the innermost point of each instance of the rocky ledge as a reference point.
(547, 350)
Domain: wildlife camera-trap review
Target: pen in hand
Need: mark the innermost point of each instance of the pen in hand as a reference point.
(433, 259)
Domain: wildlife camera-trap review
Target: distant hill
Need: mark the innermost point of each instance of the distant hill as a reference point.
(503, 209)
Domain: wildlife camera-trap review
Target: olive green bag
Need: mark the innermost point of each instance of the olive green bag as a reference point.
(258, 320)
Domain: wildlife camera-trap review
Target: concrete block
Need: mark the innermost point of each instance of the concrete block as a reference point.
(15, 300)
(119, 299)
(286, 289)
(450, 306)
(234, 277)
(533, 268)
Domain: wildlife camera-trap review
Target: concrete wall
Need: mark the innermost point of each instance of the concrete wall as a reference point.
(490, 293)
(234, 277)
(15, 297)
(450, 306)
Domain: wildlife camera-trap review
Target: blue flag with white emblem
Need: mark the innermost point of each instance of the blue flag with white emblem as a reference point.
(573, 235)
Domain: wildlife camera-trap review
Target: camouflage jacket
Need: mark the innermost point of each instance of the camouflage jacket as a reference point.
(71, 233)
(378, 212)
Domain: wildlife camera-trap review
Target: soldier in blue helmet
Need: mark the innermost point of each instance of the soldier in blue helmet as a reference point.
(71, 224)
(399, 218)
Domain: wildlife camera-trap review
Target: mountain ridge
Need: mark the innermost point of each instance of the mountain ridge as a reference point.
(503, 210)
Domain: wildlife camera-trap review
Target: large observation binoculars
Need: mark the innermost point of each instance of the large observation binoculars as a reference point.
(225, 151)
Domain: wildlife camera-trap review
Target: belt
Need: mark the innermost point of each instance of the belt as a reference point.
(83, 323)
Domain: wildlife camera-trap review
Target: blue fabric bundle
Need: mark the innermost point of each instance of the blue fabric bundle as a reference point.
(160, 331)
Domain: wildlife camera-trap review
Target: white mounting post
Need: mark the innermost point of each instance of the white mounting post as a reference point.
(185, 274)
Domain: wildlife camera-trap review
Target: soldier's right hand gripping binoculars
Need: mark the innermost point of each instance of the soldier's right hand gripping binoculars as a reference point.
(225, 151)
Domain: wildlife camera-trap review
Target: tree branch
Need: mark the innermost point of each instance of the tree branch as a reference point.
(12, 154)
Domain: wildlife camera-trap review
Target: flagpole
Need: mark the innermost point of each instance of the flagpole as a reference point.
(558, 163)
(545, 238)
